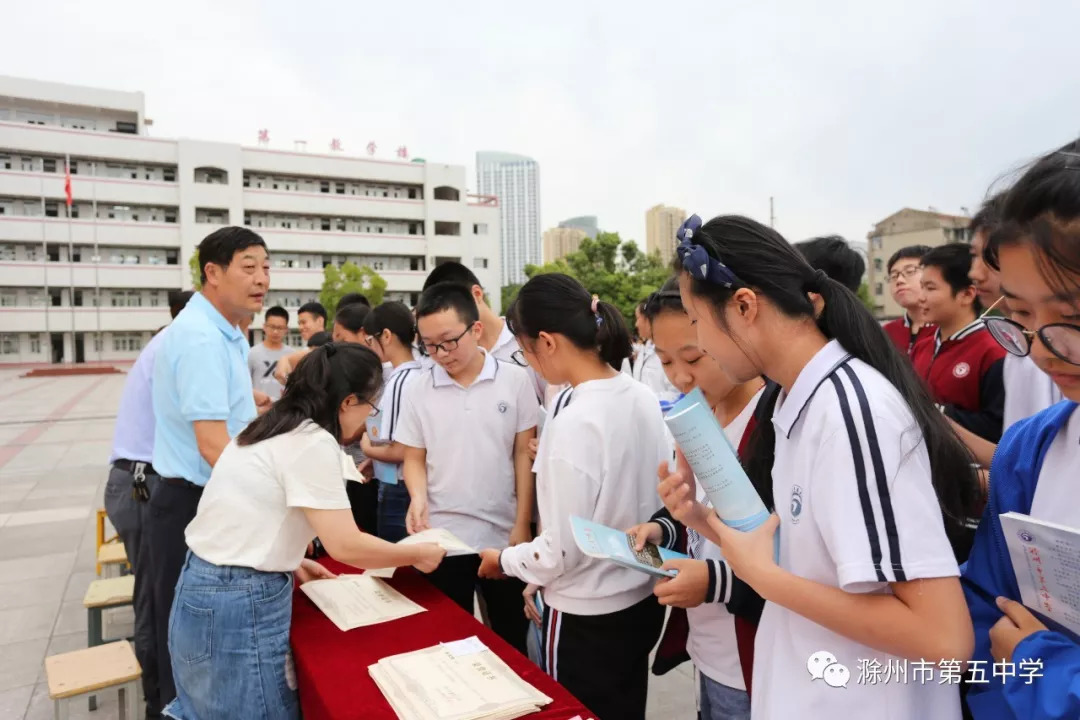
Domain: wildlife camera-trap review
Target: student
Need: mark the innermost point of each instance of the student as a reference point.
(720, 646)
(312, 319)
(595, 461)
(1037, 250)
(961, 363)
(905, 269)
(466, 431)
(318, 340)
(390, 332)
(274, 487)
(646, 366)
(264, 357)
(349, 323)
(496, 338)
(836, 258)
(866, 572)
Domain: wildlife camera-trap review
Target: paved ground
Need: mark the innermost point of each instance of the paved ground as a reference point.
(55, 435)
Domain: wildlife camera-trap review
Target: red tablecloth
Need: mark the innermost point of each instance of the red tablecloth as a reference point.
(332, 666)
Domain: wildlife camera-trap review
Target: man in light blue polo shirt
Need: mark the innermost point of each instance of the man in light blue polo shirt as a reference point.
(202, 398)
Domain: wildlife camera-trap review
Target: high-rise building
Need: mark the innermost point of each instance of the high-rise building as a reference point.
(561, 241)
(91, 283)
(661, 224)
(515, 181)
(902, 229)
(585, 223)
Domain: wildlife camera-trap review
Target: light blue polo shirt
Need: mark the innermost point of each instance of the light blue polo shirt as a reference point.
(200, 373)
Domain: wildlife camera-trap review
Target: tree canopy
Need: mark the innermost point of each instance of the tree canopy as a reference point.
(349, 278)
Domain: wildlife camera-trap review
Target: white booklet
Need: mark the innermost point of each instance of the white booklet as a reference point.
(1046, 559)
(445, 539)
(352, 601)
(462, 680)
(604, 543)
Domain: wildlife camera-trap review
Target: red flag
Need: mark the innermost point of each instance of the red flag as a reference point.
(67, 181)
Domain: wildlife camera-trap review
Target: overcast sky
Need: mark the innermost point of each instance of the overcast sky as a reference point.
(843, 111)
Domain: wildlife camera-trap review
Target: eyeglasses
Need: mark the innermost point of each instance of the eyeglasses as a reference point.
(447, 346)
(907, 273)
(518, 356)
(1061, 339)
(375, 411)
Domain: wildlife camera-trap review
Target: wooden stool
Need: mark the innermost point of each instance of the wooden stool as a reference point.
(100, 596)
(101, 540)
(85, 672)
(112, 557)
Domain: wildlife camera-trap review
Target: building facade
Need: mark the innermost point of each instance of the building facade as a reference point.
(515, 181)
(902, 229)
(586, 223)
(91, 283)
(661, 224)
(561, 241)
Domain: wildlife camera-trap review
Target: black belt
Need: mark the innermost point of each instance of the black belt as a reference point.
(181, 482)
(129, 466)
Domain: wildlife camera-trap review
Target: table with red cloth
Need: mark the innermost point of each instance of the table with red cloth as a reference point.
(332, 666)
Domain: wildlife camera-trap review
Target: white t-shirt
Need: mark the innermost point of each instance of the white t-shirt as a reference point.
(851, 483)
(650, 372)
(712, 644)
(597, 459)
(1055, 493)
(1028, 390)
(469, 434)
(251, 513)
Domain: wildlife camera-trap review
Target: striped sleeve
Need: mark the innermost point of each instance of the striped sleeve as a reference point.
(394, 398)
(871, 496)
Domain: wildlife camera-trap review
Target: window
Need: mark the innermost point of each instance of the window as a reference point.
(876, 242)
(78, 298)
(445, 192)
(293, 339)
(172, 257)
(33, 253)
(9, 344)
(416, 263)
(324, 223)
(481, 263)
(99, 343)
(339, 188)
(878, 266)
(480, 229)
(247, 181)
(878, 289)
(7, 253)
(8, 298)
(53, 252)
(5, 162)
(339, 224)
(324, 186)
(169, 174)
(447, 228)
(52, 209)
(170, 216)
(412, 193)
(49, 165)
(128, 128)
(35, 344)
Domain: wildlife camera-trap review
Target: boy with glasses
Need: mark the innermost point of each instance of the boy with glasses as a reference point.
(905, 269)
(263, 358)
(466, 427)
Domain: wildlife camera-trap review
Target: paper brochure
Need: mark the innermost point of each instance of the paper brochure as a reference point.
(1045, 559)
(600, 541)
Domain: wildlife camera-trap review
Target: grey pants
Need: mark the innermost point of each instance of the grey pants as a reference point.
(128, 516)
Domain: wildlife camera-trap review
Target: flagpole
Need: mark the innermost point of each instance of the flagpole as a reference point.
(71, 259)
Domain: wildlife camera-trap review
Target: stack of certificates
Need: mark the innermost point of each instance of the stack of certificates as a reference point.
(352, 601)
(461, 680)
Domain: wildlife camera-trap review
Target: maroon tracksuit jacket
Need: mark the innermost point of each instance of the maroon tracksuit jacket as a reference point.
(899, 331)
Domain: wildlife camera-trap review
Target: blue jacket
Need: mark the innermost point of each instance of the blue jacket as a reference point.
(1014, 474)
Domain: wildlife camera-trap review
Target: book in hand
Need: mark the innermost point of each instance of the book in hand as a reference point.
(715, 463)
(352, 601)
(600, 541)
(386, 473)
(1046, 559)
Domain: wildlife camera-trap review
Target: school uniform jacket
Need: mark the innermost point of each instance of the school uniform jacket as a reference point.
(964, 375)
(989, 573)
(899, 331)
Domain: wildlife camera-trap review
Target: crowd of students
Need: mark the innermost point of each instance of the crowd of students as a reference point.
(878, 450)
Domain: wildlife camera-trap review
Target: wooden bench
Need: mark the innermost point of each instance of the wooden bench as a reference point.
(85, 672)
(100, 596)
(102, 516)
(112, 558)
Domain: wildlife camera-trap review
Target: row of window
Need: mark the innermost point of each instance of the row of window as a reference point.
(89, 297)
(121, 342)
(54, 164)
(55, 252)
(21, 207)
(37, 117)
(334, 187)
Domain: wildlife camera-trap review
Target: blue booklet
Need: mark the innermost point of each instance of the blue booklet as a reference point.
(384, 472)
(600, 541)
(715, 463)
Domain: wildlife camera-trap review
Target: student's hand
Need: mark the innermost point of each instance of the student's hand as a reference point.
(1017, 624)
(688, 588)
(531, 610)
(534, 444)
(365, 444)
(750, 555)
(366, 469)
(416, 519)
(310, 570)
(262, 401)
(521, 533)
(489, 565)
(282, 370)
(678, 491)
(649, 532)
(430, 557)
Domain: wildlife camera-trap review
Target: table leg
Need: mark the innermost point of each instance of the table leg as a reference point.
(129, 701)
(60, 709)
(93, 639)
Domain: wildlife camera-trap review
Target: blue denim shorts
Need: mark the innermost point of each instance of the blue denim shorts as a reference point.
(720, 702)
(229, 644)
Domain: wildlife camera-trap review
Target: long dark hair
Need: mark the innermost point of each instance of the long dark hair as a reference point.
(764, 261)
(1042, 208)
(315, 390)
(557, 303)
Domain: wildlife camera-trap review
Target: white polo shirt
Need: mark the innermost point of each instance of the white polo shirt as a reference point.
(597, 459)
(469, 437)
(1055, 493)
(505, 347)
(1028, 390)
(851, 482)
(394, 396)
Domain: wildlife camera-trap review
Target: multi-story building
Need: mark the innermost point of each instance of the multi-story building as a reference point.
(91, 282)
(515, 181)
(561, 241)
(661, 224)
(899, 230)
(586, 223)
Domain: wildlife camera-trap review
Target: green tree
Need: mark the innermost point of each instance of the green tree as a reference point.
(864, 295)
(509, 292)
(196, 271)
(338, 282)
(617, 271)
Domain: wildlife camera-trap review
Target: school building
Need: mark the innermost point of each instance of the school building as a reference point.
(89, 281)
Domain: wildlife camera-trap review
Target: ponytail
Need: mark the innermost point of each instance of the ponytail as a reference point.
(557, 303)
(743, 253)
(316, 387)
